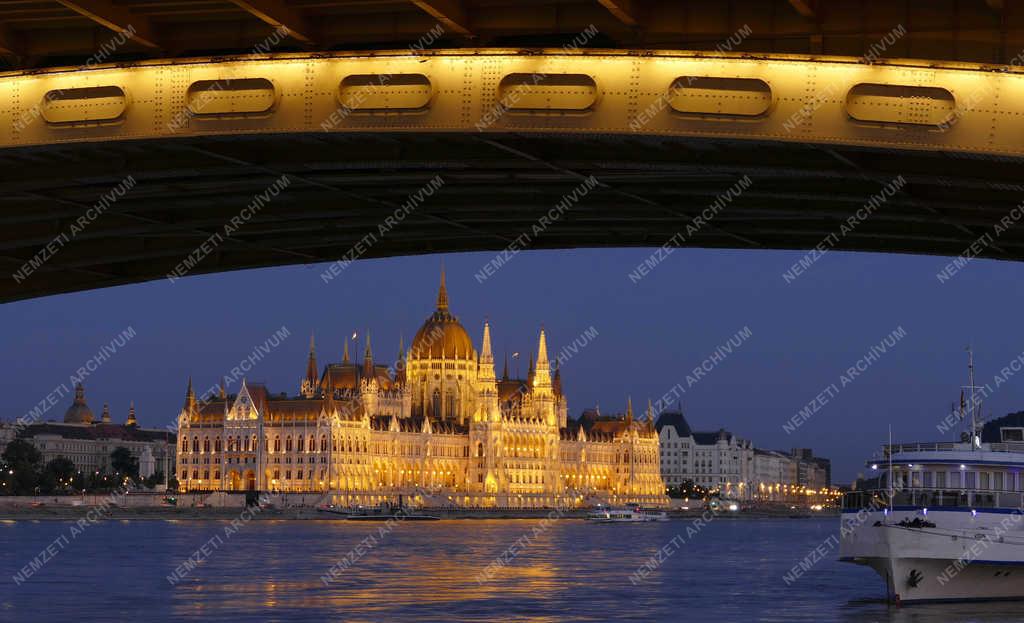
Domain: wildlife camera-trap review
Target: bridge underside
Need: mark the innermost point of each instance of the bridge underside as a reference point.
(46, 33)
(496, 187)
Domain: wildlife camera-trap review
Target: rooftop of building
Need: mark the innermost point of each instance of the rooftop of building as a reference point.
(98, 431)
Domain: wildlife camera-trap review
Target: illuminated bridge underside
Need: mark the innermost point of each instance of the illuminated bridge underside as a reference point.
(817, 137)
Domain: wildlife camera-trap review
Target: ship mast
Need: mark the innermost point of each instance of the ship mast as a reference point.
(974, 402)
(890, 474)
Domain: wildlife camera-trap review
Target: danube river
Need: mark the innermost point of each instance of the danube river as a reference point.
(468, 570)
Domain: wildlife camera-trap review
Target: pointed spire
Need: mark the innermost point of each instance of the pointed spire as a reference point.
(223, 388)
(106, 413)
(650, 412)
(504, 373)
(486, 371)
(486, 352)
(442, 293)
(344, 356)
(131, 421)
(368, 359)
(309, 383)
(190, 397)
(541, 377)
(629, 409)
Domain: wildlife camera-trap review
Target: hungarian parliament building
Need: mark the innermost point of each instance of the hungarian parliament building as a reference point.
(438, 427)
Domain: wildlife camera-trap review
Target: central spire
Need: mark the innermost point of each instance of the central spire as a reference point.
(486, 362)
(442, 293)
(540, 375)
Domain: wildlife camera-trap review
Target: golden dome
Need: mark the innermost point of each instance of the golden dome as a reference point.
(442, 335)
(78, 412)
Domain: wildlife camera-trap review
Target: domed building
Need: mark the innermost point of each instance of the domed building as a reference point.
(437, 427)
(78, 412)
(442, 366)
(88, 442)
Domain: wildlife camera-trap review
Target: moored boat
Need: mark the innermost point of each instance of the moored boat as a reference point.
(944, 521)
(384, 512)
(631, 513)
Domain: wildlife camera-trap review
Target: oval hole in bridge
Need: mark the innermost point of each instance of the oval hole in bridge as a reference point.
(547, 92)
(88, 105)
(231, 97)
(727, 97)
(395, 92)
(900, 104)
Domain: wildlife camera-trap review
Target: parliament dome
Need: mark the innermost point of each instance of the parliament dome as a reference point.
(442, 335)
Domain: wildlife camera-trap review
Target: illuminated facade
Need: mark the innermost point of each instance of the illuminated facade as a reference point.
(438, 426)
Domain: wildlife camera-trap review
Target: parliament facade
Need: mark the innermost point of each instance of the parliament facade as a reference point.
(438, 426)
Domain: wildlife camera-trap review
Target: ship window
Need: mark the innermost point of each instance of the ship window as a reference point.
(940, 479)
(1013, 434)
(971, 480)
(985, 481)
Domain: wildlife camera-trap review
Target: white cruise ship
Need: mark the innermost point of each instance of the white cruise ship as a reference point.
(945, 522)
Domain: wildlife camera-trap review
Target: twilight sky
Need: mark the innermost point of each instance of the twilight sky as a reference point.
(650, 335)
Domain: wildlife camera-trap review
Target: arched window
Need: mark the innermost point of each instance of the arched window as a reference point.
(435, 408)
(246, 443)
(323, 444)
(277, 444)
(206, 444)
(184, 444)
(301, 443)
(216, 444)
(195, 444)
(312, 443)
(449, 407)
(288, 444)
(231, 444)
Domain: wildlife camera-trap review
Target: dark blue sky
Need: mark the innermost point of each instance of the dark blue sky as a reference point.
(651, 334)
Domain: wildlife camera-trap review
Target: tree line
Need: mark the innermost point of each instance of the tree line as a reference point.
(22, 472)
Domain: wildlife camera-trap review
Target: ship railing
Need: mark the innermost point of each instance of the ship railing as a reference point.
(918, 447)
(878, 499)
(896, 448)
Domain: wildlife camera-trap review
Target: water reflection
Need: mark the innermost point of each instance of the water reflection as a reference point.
(571, 571)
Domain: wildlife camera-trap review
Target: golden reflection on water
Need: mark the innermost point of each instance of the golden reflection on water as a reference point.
(411, 567)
